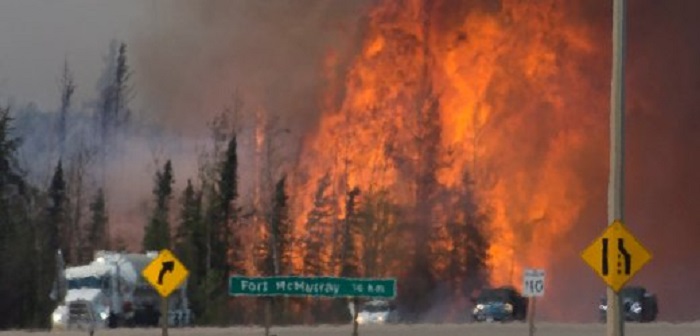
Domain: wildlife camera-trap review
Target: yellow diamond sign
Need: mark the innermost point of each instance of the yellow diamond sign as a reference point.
(165, 273)
(616, 256)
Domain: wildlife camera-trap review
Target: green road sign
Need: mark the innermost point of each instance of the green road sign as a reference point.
(312, 286)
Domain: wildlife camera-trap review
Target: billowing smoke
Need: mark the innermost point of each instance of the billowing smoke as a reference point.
(272, 55)
(269, 53)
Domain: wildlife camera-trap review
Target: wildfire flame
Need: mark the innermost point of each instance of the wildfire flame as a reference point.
(510, 107)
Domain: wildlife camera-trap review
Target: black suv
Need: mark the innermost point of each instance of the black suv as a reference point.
(638, 305)
(499, 304)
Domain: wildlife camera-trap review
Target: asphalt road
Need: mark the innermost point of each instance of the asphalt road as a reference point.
(511, 329)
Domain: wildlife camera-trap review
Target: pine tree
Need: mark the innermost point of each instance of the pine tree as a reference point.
(189, 239)
(121, 89)
(24, 277)
(157, 234)
(281, 230)
(318, 221)
(378, 225)
(59, 234)
(223, 215)
(476, 243)
(350, 261)
(190, 244)
(99, 222)
(67, 89)
(113, 113)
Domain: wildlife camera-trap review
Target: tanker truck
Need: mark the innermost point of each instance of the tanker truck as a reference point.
(110, 292)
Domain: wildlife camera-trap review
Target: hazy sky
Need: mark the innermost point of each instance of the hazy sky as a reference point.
(37, 35)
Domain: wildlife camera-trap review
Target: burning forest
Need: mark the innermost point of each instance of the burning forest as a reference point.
(448, 144)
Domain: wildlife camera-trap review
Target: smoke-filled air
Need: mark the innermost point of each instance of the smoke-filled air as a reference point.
(448, 144)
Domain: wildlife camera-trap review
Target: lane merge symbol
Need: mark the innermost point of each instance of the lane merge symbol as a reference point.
(611, 254)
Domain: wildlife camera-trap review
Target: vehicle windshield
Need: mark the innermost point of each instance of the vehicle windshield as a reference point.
(632, 292)
(375, 308)
(490, 295)
(86, 282)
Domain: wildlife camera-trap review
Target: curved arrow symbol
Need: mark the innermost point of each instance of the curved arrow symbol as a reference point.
(168, 266)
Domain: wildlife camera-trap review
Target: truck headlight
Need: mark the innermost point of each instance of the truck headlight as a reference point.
(509, 307)
(636, 308)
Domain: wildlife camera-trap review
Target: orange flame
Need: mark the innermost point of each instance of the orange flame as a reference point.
(511, 108)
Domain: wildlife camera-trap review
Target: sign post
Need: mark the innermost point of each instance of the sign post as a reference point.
(165, 273)
(355, 312)
(616, 256)
(268, 315)
(533, 287)
(616, 181)
(294, 286)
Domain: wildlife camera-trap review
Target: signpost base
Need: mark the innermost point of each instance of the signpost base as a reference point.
(164, 315)
(355, 310)
(268, 315)
(531, 316)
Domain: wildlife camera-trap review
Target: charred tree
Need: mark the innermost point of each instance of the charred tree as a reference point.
(427, 143)
(318, 221)
(67, 89)
(350, 266)
(113, 111)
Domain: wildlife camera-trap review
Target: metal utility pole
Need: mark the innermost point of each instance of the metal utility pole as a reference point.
(615, 322)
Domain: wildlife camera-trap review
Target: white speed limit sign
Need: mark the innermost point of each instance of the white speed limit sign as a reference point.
(533, 284)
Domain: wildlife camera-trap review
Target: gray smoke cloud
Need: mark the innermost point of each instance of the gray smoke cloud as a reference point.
(270, 52)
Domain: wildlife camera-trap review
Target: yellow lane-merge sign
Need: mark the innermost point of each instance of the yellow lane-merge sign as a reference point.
(165, 273)
(616, 256)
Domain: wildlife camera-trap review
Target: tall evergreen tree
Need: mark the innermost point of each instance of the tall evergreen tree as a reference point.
(23, 282)
(223, 215)
(99, 222)
(113, 113)
(67, 89)
(350, 261)
(281, 230)
(58, 233)
(378, 225)
(157, 233)
(190, 244)
(476, 243)
(121, 88)
(189, 238)
(318, 221)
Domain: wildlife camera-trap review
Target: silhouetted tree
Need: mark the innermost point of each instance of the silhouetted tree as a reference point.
(350, 265)
(157, 233)
(59, 233)
(281, 230)
(67, 89)
(24, 278)
(99, 222)
(190, 244)
(318, 221)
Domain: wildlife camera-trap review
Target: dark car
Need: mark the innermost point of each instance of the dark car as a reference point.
(638, 305)
(499, 304)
